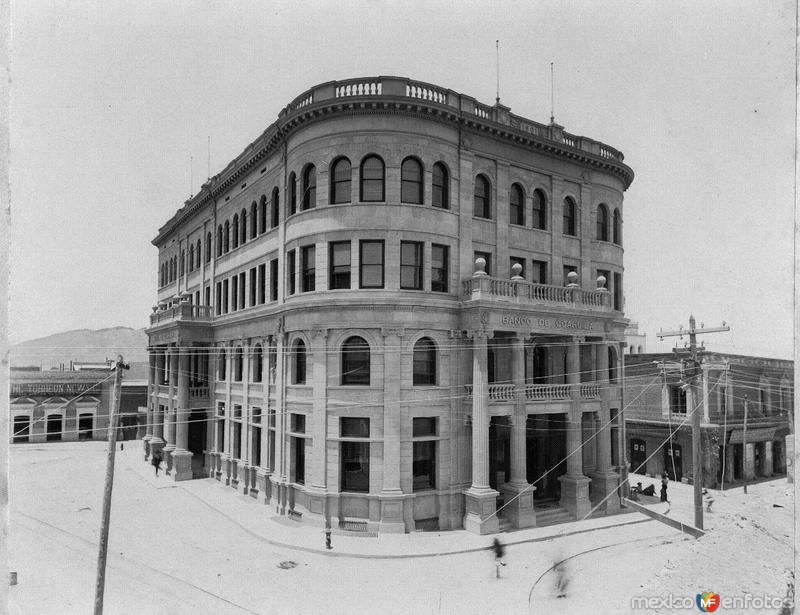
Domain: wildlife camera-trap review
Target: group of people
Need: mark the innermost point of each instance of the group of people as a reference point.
(651, 490)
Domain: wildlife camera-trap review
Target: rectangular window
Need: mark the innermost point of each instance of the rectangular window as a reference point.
(539, 272)
(355, 455)
(291, 278)
(218, 309)
(514, 260)
(411, 265)
(618, 292)
(299, 445)
(440, 257)
(677, 399)
(371, 268)
(488, 258)
(252, 287)
(424, 453)
(307, 259)
(255, 447)
(208, 295)
(237, 440)
(225, 296)
(221, 436)
(234, 293)
(298, 423)
(273, 279)
(242, 289)
(339, 257)
(262, 283)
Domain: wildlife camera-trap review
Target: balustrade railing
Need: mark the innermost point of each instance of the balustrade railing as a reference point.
(425, 92)
(528, 292)
(537, 392)
(546, 392)
(590, 391)
(198, 392)
(182, 311)
(365, 87)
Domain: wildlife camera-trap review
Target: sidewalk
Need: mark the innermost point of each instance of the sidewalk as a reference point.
(261, 521)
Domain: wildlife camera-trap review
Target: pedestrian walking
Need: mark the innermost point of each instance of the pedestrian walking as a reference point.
(156, 461)
(562, 579)
(664, 481)
(499, 551)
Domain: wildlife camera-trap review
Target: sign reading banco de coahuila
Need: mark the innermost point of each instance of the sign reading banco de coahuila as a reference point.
(514, 320)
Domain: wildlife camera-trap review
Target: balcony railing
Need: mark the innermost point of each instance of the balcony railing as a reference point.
(513, 291)
(182, 311)
(538, 392)
(195, 392)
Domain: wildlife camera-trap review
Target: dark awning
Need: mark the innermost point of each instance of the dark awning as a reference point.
(759, 434)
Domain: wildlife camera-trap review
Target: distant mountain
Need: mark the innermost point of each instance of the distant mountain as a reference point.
(81, 345)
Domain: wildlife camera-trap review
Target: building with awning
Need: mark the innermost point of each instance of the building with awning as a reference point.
(732, 391)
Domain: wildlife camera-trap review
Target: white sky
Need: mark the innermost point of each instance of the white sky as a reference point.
(111, 99)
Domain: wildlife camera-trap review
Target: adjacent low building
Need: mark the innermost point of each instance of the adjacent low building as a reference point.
(398, 308)
(729, 387)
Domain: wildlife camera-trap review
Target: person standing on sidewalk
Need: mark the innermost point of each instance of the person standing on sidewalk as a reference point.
(499, 551)
(156, 461)
(664, 481)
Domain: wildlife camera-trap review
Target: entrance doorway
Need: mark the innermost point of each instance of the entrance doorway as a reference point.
(777, 457)
(499, 452)
(85, 426)
(196, 442)
(546, 451)
(54, 428)
(738, 462)
(638, 456)
(673, 461)
(22, 428)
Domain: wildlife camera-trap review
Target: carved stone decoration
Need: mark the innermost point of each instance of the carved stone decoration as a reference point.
(398, 331)
(484, 318)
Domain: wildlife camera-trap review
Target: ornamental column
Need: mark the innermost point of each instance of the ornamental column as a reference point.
(574, 485)
(391, 496)
(151, 384)
(157, 441)
(604, 480)
(280, 473)
(481, 499)
(518, 493)
(169, 418)
(181, 457)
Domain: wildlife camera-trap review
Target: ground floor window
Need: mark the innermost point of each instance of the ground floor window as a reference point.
(424, 453)
(299, 461)
(237, 441)
(22, 428)
(355, 455)
(54, 427)
(220, 444)
(255, 447)
(638, 455)
(85, 426)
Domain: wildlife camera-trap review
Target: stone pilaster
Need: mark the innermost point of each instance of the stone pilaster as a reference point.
(169, 418)
(316, 487)
(391, 496)
(151, 383)
(156, 443)
(481, 499)
(604, 479)
(766, 464)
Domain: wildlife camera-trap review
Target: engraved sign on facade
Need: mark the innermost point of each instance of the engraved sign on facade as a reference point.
(513, 320)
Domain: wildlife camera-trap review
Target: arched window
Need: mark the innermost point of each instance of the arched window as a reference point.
(539, 210)
(275, 207)
(411, 181)
(235, 231)
(226, 237)
(199, 253)
(617, 227)
(291, 199)
(262, 214)
(569, 217)
(309, 187)
(299, 363)
(243, 218)
(183, 262)
(355, 361)
(424, 362)
(482, 205)
(238, 362)
(372, 176)
(253, 220)
(220, 241)
(602, 222)
(341, 175)
(258, 363)
(440, 195)
(191, 258)
(222, 365)
(516, 204)
(208, 247)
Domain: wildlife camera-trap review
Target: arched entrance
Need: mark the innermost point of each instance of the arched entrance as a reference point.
(196, 442)
(546, 451)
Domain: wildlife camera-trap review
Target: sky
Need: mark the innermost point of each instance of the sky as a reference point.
(112, 105)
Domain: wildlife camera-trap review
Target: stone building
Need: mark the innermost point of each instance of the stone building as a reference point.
(397, 309)
(658, 403)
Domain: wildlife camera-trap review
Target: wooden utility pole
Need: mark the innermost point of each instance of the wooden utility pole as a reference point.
(112, 445)
(744, 446)
(697, 455)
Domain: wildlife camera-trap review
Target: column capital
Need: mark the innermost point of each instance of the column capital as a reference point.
(578, 339)
(457, 334)
(479, 334)
(398, 331)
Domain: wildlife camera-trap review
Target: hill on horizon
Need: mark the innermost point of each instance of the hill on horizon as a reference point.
(81, 345)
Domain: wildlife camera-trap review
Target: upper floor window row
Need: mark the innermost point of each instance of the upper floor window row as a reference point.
(517, 208)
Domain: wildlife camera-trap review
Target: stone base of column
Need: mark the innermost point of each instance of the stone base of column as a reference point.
(181, 465)
(167, 453)
(234, 480)
(254, 483)
(575, 495)
(392, 520)
(316, 505)
(604, 489)
(243, 473)
(519, 504)
(266, 484)
(481, 506)
(146, 445)
(226, 469)
(788, 459)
